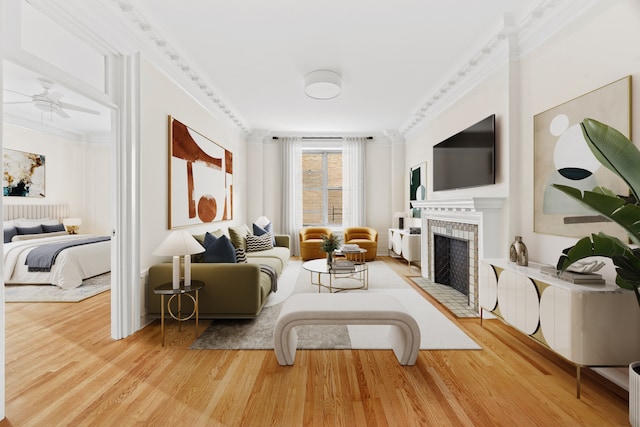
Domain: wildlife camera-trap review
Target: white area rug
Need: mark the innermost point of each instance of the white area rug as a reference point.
(437, 332)
(50, 293)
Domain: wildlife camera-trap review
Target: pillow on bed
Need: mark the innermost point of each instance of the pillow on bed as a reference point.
(52, 228)
(30, 230)
(28, 222)
(19, 237)
(9, 233)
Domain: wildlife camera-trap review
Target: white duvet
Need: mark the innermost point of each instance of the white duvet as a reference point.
(71, 266)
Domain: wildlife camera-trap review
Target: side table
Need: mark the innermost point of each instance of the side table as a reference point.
(167, 289)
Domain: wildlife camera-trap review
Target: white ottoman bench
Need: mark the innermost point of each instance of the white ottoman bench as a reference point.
(346, 309)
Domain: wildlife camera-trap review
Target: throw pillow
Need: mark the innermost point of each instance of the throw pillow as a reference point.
(218, 250)
(200, 238)
(259, 243)
(9, 233)
(29, 230)
(52, 228)
(241, 256)
(239, 235)
(259, 231)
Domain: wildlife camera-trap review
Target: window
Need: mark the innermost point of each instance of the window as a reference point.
(322, 188)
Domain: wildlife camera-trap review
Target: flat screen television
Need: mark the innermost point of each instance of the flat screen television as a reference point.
(467, 159)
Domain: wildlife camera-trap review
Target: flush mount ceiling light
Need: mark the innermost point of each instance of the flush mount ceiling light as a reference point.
(322, 84)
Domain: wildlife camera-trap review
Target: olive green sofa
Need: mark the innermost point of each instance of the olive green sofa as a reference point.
(231, 290)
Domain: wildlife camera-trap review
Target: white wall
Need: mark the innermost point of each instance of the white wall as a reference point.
(598, 48)
(161, 97)
(77, 173)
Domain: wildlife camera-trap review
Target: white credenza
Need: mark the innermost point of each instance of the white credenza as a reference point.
(404, 244)
(589, 325)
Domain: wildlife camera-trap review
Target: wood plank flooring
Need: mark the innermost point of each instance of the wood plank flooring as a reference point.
(63, 369)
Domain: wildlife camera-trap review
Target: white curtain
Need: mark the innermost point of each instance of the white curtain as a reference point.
(353, 182)
(291, 158)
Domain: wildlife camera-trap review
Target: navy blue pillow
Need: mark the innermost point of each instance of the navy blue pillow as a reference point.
(218, 249)
(9, 233)
(259, 231)
(30, 230)
(52, 228)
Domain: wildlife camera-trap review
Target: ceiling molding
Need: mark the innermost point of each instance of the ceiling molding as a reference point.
(158, 41)
(510, 43)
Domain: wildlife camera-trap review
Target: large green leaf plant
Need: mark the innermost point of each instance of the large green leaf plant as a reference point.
(616, 152)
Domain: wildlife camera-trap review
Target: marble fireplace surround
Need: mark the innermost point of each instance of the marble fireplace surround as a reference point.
(477, 220)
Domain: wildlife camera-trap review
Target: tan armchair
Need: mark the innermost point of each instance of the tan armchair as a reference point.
(365, 237)
(310, 242)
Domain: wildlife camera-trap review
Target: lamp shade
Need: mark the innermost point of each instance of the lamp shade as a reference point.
(179, 243)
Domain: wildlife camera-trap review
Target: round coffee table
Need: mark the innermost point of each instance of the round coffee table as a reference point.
(339, 279)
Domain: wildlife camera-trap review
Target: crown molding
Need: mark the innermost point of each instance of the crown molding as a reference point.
(510, 43)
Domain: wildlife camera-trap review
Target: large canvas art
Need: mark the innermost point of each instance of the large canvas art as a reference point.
(23, 174)
(200, 178)
(561, 156)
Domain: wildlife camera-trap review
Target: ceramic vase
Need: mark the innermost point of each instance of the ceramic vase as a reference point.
(518, 252)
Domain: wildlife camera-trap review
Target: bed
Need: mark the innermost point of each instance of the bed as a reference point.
(82, 260)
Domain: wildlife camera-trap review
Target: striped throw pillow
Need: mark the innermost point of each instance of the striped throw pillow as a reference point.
(259, 243)
(241, 255)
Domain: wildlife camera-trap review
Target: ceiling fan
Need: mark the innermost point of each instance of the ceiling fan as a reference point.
(49, 102)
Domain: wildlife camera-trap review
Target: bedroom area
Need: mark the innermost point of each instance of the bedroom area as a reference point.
(57, 150)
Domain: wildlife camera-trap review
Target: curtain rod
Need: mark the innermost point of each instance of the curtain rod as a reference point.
(323, 137)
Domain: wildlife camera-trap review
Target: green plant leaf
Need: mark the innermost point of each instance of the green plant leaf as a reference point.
(615, 151)
(613, 207)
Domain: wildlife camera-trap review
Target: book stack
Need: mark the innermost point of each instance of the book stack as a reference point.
(350, 247)
(342, 266)
(573, 277)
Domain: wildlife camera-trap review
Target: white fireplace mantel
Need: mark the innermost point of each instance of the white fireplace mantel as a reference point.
(485, 212)
(467, 204)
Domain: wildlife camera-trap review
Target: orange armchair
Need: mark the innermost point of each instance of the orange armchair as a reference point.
(365, 237)
(310, 242)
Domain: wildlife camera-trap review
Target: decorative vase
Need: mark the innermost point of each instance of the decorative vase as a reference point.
(518, 252)
(634, 394)
(329, 258)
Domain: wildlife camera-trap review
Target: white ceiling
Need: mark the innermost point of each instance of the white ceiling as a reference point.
(249, 57)
(390, 54)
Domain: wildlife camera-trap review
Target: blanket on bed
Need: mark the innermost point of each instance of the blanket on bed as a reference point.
(43, 257)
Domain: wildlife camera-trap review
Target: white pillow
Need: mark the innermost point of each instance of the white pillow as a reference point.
(28, 222)
(8, 223)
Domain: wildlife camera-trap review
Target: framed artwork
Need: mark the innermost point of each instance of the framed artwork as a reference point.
(200, 178)
(561, 156)
(24, 174)
(417, 187)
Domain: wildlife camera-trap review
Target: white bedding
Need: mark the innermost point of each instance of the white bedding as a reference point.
(71, 266)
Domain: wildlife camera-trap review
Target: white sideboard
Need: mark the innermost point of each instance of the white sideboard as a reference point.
(588, 325)
(404, 244)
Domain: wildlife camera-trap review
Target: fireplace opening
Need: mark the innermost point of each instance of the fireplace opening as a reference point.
(451, 262)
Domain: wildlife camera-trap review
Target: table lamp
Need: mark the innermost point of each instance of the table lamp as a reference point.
(72, 224)
(176, 244)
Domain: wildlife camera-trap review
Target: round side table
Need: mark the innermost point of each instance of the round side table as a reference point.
(190, 291)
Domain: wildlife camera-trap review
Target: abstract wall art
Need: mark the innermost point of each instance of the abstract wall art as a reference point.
(200, 178)
(561, 156)
(417, 187)
(23, 174)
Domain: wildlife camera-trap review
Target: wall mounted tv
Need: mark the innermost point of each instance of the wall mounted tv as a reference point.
(467, 159)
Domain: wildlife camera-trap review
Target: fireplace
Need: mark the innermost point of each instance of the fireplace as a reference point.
(461, 224)
(451, 262)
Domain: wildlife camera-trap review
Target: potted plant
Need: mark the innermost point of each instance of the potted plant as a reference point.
(329, 244)
(617, 153)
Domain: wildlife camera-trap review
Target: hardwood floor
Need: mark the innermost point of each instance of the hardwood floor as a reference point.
(62, 368)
